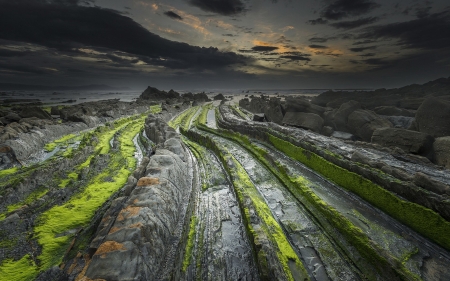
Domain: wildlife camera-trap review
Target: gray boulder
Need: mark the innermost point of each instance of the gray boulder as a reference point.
(309, 121)
(433, 117)
(54, 110)
(219, 97)
(441, 147)
(35, 112)
(294, 104)
(362, 123)
(409, 141)
(338, 118)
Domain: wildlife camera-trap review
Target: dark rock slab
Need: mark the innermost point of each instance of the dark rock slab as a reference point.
(309, 121)
(362, 123)
(433, 117)
(409, 141)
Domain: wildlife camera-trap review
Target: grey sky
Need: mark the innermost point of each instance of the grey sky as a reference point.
(255, 43)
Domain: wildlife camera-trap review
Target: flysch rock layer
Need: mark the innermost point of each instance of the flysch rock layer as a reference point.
(30, 142)
(137, 232)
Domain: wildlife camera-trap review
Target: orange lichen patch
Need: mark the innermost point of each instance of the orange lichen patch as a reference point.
(129, 211)
(81, 276)
(114, 229)
(109, 246)
(136, 225)
(135, 201)
(147, 181)
(85, 278)
(5, 149)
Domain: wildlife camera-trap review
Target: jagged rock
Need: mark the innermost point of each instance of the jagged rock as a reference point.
(309, 121)
(362, 123)
(201, 97)
(433, 117)
(219, 97)
(54, 110)
(409, 141)
(154, 94)
(35, 112)
(327, 131)
(441, 147)
(259, 117)
(300, 104)
(157, 130)
(271, 108)
(338, 118)
(393, 111)
(13, 117)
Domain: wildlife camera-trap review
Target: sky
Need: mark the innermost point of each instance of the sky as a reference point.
(234, 44)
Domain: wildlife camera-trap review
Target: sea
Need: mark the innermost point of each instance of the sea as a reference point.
(75, 97)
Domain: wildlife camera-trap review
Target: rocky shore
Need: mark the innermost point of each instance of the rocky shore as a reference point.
(178, 187)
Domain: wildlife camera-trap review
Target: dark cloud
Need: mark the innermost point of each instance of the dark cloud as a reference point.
(295, 56)
(423, 12)
(319, 39)
(12, 53)
(66, 26)
(431, 32)
(264, 48)
(173, 15)
(318, 47)
(363, 42)
(368, 55)
(228, 34)
(362, 49)
(340, 9)
(355, 23)
(223, 7)
(317, 21)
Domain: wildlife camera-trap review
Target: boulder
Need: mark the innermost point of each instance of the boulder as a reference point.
(338, 118)
(433, 117)
(54, 110)
(219, 97)
(35, 112)
(309, 121)
(294, 104)
(327, 131)
(362, 123)
(201, 97)
(393, 111)
(12, 117)
(259, 117)
(409, 141)
(441, 147)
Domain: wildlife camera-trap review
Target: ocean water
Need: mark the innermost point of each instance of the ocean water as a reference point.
(62, 97)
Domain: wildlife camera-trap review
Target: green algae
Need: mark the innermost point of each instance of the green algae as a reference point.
(8, 172)
(423, 220)
(36, 194)
(183, 120)
(190, 243)
(299, 187)
(78, 210)
(49, 147)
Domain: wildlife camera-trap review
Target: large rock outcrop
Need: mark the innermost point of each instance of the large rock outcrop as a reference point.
(337, 118)
(309, 121)
(137, 232)
(157, 129)
(154, 94)
(409, 141)
(433, 117)
(362, 123)
(298, 104)
(441, 147)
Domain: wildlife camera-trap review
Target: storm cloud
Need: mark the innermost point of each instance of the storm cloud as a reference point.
(222, 7)
(64, 25)
(340, 9)
(173, 15)
(354, 23)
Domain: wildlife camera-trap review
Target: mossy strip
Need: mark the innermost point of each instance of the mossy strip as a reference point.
(190, 243)
(425, 221)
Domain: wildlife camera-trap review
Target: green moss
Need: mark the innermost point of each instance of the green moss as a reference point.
(8, 172)
(23, 269)
(8, 243)
(155, 108)
(79, 210)
(52, 145)
(190, 243)
(184, 119)
(419, 218)
(38, 193)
